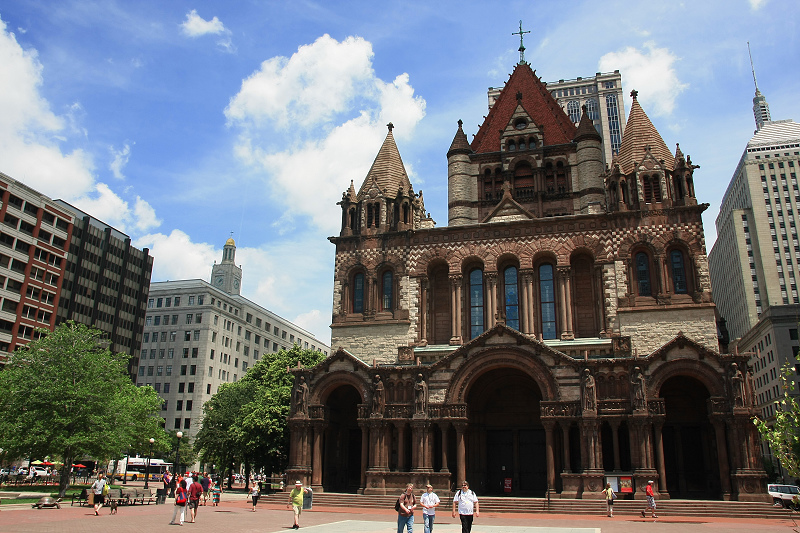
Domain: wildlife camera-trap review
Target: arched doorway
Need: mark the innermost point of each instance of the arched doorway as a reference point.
(690, 456)
(506, 438)
(342, 444)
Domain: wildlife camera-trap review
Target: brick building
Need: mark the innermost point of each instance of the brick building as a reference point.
(558, 333)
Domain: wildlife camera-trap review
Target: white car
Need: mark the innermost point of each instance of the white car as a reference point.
(784, 495)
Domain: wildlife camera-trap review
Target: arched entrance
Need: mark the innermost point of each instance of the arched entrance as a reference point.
(506, 438)
(690, 458)
(342, 444)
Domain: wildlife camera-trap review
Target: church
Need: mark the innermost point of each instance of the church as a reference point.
(557, 334)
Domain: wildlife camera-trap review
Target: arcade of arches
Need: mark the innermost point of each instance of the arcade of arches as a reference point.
(504, 410)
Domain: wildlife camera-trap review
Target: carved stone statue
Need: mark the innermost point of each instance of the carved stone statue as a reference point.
(420, 396)
(638, 390)
(301, 397)
(737, 386)
(588, 390)
(378, 398)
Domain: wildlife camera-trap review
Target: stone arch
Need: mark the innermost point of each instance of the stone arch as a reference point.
(699, 370)
(493, 358)
(330, 381)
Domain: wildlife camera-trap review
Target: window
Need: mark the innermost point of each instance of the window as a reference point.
(358, 293)
(511, 293)
(643, 274)
(548, 301)
(678, 272)
(476, 303)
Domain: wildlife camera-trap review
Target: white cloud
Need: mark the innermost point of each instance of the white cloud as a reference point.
(650, 71)
(195, 26)
(120, 159)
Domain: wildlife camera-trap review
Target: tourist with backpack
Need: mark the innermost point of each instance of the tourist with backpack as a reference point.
(465, 504)
(181, 497)
(404, 506)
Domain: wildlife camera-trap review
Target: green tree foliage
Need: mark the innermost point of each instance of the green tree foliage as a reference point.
(246, 422)
(66, 395)
(783, 434)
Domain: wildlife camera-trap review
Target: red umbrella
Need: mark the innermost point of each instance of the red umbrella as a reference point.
(79, 466)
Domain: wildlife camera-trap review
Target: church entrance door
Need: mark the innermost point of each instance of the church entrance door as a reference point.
(342, 442)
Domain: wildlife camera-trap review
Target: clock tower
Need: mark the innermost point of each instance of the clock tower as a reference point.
(226, 275)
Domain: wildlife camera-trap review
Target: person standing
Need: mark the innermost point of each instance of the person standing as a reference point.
(610, 497)
(405, 509)
(465, 504)
(98, 489)
(651, 500)
(181, 498)
(195, 491)
(429, 501)
(254, 496)
(296, 502)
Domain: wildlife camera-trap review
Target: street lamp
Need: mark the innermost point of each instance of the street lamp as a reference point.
(174, 481)
(147, 470)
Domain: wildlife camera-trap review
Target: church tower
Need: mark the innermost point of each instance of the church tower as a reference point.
(226, 275)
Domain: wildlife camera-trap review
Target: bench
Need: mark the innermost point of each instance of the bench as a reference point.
(82, 498)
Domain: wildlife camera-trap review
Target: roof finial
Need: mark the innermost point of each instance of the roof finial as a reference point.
(390, 126)
(634, 94)
(521, 45)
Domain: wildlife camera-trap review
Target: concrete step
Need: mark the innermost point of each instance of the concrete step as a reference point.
(696, 508)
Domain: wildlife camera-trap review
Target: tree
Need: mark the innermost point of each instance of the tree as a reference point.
(246, 421)
(65, 394)
(783, 433)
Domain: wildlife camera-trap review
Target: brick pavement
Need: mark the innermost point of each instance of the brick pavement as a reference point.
(234, 515)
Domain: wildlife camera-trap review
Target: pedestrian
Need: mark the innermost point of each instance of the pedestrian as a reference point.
(651, 501)
(610, 497)
(180, 502)
(254, 496)
(206, 484)
(99, 489)
(465, 503)
(405, 509)
(216, 491)
(195, 491)
(296, 502)
(429, 501)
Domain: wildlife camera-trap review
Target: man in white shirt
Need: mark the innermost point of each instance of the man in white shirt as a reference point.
(463, 503)
(429, 501)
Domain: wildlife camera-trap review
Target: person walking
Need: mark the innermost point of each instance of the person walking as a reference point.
(98, 488)
(651, 501)
(181, 497)
(254, 496)
(465, 504)
(610, 497)
(405, 509)
(195, 491)
(296, 502)
(429, 502)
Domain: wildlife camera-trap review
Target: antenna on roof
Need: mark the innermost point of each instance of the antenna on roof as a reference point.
(521, 45)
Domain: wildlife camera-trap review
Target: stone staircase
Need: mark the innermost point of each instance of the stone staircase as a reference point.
(690, 508)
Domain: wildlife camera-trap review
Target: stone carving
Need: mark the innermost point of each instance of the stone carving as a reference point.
(638, 390)
(301, 397)
(420, 396)
(378, 398)
(737, 386)
(589, 395)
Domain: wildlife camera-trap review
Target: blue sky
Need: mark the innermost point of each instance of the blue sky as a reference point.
(180, 122)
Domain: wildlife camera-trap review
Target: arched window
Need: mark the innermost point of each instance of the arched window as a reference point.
(387, 290)
(643, 274)
(358, 293)
(511, 293)
(678, 272)
(574, 111)
(547, 291)
(476, 323)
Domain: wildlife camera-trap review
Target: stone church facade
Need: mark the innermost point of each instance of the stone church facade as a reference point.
(558, 332)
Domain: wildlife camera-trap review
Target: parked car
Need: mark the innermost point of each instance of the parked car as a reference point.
(784, 495)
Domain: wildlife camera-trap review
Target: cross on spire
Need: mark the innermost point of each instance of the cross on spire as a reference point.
(521, 45)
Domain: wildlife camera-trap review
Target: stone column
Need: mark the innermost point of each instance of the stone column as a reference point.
(444, 426)
(551, 466)
(401, 446)
(461, 452)
(722, 458)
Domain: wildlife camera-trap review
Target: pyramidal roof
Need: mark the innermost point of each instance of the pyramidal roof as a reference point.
(387, 171)
(639, 134)
(537, 101)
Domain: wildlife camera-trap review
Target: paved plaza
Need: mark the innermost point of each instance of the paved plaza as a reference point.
(235, 515)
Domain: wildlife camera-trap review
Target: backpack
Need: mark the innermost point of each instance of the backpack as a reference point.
(180, 497)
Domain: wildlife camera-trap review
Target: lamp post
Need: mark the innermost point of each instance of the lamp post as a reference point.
(174, 481)
(147, 470)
